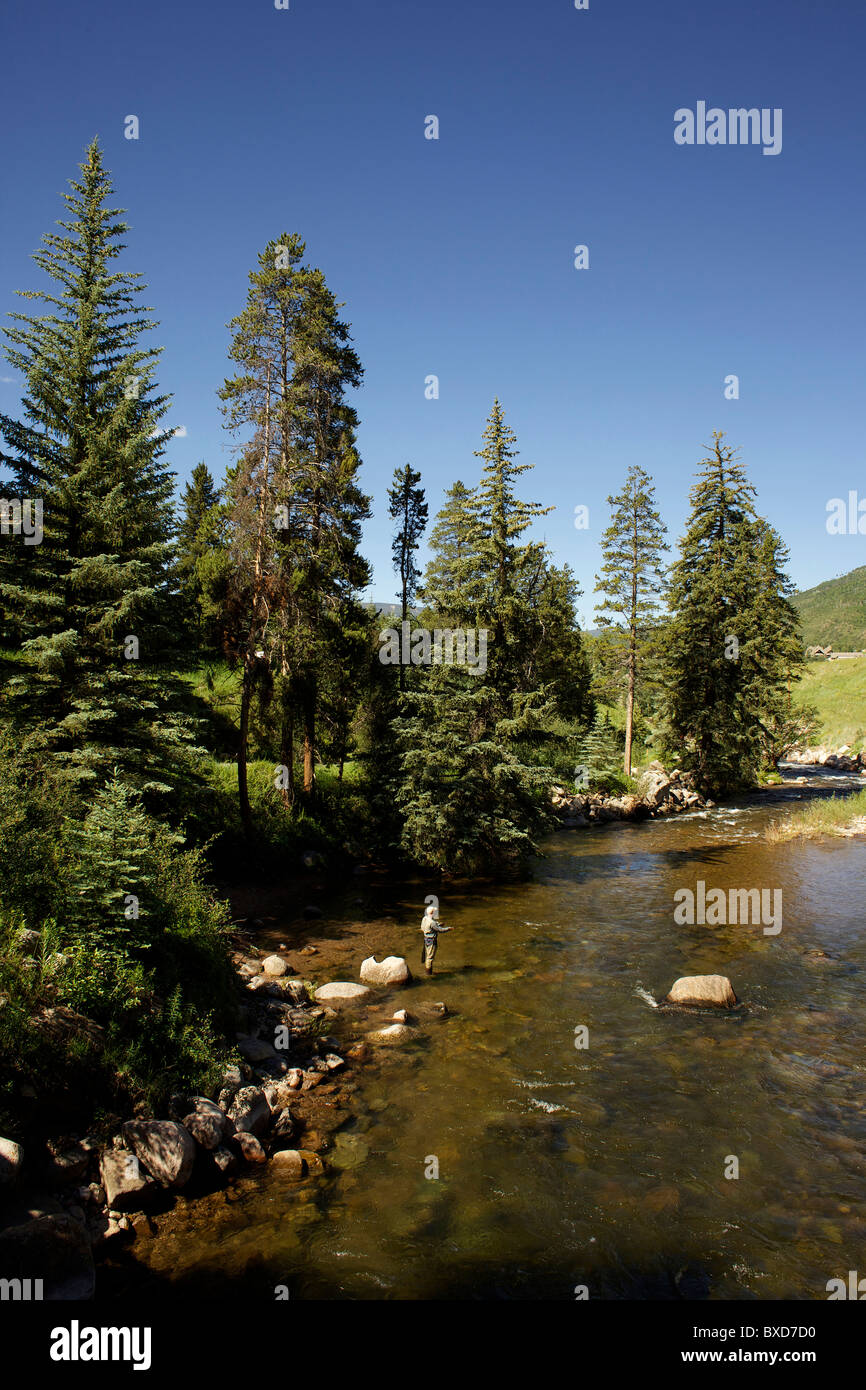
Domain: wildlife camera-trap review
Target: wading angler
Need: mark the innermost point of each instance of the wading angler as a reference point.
(444, 646)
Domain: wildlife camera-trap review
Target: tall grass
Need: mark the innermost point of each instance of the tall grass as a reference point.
(838, 815)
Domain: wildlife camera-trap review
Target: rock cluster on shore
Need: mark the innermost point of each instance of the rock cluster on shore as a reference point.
(659, 793)
(78, 1196)
(843, 759)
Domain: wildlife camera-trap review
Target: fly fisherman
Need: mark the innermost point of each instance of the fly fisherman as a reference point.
(431, 927)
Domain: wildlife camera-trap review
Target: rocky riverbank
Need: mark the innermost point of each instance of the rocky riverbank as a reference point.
(842, 759)
(659, 793)
(75, 1201)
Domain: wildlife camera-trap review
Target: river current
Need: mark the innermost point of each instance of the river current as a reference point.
(676, 1155)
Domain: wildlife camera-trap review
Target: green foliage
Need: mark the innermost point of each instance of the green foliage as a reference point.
(631, 582)
(599, 764)
(468, 803)
(732, 648)
(90, 446)
(143, 1005)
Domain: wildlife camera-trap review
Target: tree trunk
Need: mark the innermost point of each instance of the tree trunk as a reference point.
(309, 739)
(243, 788)
(629, 714)
(287, 758)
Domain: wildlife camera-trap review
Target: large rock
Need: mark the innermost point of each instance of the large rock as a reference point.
(715, 990)
(250, 1111)
(393, 970)
(165, 1148)
(55, 1249)
(126, 1186)
(654, 787)
(11, 1160)
(274, 965)
(205, 1129)
(255, 1050)
(341, 989)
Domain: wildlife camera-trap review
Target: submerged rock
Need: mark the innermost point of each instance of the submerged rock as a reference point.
(392, 1035)
(341, 989)
(289, 1164)
(701, 990)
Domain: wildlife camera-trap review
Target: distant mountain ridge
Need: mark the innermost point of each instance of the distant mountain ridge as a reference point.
(834, 613)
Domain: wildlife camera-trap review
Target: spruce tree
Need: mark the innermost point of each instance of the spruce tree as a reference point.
(198, 534)
(96, 600)
(730, 647)
(468, 801)
(511, 570)
(599, 757)
(406, 506)
(451, 589)
(295, 507)
(631, 580)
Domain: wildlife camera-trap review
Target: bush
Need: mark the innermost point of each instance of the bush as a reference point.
(144, 998)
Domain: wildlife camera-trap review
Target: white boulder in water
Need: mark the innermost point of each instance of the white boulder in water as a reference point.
(393, 970)
(340, 989)
(392, 1036)
(701, 990)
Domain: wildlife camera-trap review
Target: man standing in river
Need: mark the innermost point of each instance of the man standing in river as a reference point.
(431, 927)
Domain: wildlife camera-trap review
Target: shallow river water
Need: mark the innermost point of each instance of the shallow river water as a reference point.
(602, 1166)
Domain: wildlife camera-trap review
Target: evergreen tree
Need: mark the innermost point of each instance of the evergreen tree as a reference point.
(467, 800)
(631, 580)
(406, 505)
(730, 648)
(295, 508)
(451, 588)
(328, 505)
(599, 757)
(199, 533)
(96, 600)
(511, 572)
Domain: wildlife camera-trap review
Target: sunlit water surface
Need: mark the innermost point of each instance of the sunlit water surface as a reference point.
(604, 1166)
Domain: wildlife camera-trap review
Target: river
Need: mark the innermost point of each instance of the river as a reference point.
(604, 1167)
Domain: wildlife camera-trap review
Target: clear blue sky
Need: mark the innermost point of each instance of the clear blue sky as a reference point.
(455, 256)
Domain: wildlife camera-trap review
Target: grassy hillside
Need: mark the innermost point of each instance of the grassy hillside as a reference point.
(834, 613)
(838, 690)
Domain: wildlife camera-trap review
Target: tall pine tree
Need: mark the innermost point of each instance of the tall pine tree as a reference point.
(631, 579)
(730, 647)
(406, 506)
(96, 606)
